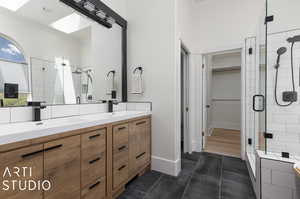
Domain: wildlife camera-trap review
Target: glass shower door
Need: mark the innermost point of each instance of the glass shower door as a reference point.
(282, 82)
(255, 95)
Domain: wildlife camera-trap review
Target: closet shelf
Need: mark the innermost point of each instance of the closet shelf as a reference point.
(226, 68)
(226, 100)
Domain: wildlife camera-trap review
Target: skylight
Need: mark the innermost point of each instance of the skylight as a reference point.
(70, 23)
(13, 5)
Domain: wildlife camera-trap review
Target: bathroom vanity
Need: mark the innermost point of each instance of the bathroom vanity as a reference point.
(94, 161)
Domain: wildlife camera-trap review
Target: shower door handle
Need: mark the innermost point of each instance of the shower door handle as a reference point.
(255, 97)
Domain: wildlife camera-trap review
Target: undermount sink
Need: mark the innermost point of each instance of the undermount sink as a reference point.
(297, 168)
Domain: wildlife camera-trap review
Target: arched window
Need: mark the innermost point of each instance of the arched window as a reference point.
(13, 69)
(9, 51)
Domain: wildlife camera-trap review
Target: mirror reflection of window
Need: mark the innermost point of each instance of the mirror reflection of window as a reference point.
(13, 69)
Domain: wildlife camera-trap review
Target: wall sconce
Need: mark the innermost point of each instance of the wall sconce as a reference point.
(101, 14)
(89, 6)
(111, 20)
(77, 1)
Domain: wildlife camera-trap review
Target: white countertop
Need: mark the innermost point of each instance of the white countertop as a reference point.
(15, 132)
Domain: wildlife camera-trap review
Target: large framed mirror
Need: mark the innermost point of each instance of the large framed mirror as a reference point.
(62, 51)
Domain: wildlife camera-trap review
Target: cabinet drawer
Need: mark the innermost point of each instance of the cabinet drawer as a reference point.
(93, 168)
(120, 135)
(120, 172)
(93, 143)
(96, 189)
(29, 157)
(144, 123)
(142, 159)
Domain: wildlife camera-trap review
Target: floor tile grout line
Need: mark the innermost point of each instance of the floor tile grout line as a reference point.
(190, 179)
(187, 184)
(221, 178)
(152, 187)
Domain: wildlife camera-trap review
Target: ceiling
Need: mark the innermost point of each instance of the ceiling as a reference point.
(46, 12)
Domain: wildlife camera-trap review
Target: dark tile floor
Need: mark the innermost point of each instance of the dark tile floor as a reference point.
(203, 176)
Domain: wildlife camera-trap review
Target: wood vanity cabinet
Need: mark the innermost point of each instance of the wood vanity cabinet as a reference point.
(139, 145)
(91, 163)
(62, 168)
(29, 157)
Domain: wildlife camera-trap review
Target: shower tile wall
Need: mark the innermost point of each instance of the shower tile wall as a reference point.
(283, 122)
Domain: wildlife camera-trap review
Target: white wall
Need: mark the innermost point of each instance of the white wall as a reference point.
(212, 24)
(153, 44)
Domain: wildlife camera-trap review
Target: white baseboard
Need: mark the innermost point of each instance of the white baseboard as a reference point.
(166, 166)
(226, 125)
(196, 147)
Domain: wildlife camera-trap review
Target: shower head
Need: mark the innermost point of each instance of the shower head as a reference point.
(280, 52)
(294, 39)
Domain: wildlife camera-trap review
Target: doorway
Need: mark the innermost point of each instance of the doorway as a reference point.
(222, 102)
(184, 93)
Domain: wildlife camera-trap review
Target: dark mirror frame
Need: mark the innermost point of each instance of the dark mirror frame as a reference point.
(118, 19)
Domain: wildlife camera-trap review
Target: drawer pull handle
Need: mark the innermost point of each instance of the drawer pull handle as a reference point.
(139, 123)
(122, 148)
(142, 154)
(121, 128)
(32, 154)
(94, 185)
(54, 147)
(94, 136)
(122, 167)
(95, 160)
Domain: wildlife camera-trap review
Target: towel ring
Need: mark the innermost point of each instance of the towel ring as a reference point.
(138, 68)
(112, 71)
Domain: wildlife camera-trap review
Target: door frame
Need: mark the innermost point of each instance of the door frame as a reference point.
(185, 90)
(204, 93)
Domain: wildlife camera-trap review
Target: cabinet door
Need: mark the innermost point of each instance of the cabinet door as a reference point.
(139, 144)
(62, 168)
(30, 159)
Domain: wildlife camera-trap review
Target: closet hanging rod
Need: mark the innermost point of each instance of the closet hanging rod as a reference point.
(226, 100)
(225, 69)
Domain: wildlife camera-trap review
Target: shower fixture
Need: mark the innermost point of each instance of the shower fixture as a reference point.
(287, 96)
(280, 52)
(77, 71)
(294, 39)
